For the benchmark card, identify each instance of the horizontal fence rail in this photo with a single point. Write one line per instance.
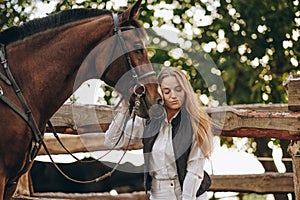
(82, 128)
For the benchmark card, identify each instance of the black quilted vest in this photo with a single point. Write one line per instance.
(182, 135)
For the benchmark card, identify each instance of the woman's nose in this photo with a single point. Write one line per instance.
(173, 94)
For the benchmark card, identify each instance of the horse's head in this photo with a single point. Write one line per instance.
(128, 68)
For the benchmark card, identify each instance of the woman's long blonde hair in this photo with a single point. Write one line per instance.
(200, 120)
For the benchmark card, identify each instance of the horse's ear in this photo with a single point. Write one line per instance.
(132, 12)
(135, 10)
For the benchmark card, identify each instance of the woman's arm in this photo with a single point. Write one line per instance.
(195, 173)
(114, 132)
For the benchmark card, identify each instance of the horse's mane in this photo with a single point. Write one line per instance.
(29, 28)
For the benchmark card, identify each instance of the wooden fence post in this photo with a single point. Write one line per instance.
(294, 150)
(292, 85)
(24, 187)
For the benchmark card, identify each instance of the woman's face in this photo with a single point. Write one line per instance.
(173, 93)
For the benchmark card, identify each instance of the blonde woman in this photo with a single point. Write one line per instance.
(175, 146)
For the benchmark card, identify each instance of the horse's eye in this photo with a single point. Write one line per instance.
(138, 48)
(140, 51)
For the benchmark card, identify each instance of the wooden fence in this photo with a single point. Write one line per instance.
(281, 121)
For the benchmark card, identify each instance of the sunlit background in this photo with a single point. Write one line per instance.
(253, 54)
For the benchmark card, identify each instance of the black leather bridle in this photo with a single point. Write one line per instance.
(135, 77)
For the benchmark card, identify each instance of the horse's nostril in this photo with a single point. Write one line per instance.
(159, 101)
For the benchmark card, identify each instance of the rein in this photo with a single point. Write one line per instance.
(38, 135)
(26, 113)
(104, 176)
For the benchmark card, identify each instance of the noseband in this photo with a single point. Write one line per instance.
(135, 77)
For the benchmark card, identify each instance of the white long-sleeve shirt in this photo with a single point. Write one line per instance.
(162, 160)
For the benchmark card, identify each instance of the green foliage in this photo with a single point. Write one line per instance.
(13, 12)
(254, 44)
(73, 99)
(255, 196)
(261, 28)
(108, 93)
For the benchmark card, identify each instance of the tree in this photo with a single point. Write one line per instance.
(13, 12)
(253, 44)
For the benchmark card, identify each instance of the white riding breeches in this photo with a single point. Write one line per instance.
(169, 190)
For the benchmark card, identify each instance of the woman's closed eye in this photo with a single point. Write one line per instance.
(178, 89)
(166, 91)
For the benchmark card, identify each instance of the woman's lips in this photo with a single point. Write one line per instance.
(174, 102)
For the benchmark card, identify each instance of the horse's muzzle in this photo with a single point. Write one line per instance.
(156, 111)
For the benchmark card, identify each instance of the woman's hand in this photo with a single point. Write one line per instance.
(134, 146)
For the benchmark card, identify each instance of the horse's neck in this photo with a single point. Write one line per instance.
(47, 64)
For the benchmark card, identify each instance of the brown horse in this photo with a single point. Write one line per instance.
(51, 57)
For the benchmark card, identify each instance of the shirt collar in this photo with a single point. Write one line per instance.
(166, 119)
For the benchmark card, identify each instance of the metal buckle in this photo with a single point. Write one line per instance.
(136, 87)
